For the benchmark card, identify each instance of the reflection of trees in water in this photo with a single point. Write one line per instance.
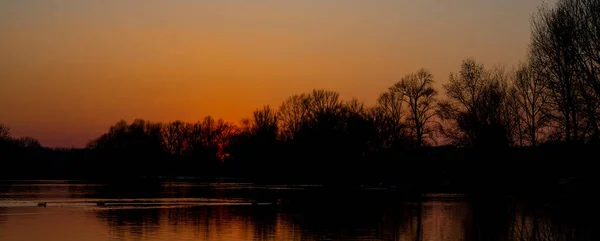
(128, 223)
(203, 223)
(357, 219)
(377, 220)
(254, 222)
(342, 222)
(433, 220)
(489, 219)
(554, 223)
(411, 222)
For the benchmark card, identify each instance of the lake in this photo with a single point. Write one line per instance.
(241, 211)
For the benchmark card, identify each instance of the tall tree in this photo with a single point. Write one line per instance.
(358, 128)
(530, 96)
(587, 13)
(324, 107)
(587, 16)
(176, 134)
(466, 89)
(210, 138)
(225, 131)
(265, 123)
(554, 50)
(389, 118)
(419, 94)
(477, 105)
(292, 114)
(140, 136)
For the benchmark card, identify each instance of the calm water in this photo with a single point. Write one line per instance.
(186, 211)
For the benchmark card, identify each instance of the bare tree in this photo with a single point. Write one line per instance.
(419, 94)
(324, 105)
(554, 51)
(225, 131)
(265, 122)
(208, 132)
(203, 137)
(518, 131)
(587, 13)
(448, 113)
(466, 89)
(530, 96)
(504, 111)
(388, 116)
(141, 136)
(468, 86)
(356, 116)
(211, 137)
(28, 142)
(477, 105)
(292, 113)
(355, 107)
(175, 136)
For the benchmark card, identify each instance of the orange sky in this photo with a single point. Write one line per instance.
(70, 68)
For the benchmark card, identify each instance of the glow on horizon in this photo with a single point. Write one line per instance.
(69, 68)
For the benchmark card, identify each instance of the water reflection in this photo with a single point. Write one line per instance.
(199, 223)
(307, 215)
(576, 221)
(429, 220)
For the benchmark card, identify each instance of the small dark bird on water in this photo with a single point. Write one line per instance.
(101, 204)
(42, 204)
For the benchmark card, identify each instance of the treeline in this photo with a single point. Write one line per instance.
(547, 107)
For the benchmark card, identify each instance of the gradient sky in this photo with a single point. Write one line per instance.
(71, 68)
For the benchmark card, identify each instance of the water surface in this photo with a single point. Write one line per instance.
(241, 211)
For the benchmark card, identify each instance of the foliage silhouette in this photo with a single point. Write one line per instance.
(419, 94)
(548, 108)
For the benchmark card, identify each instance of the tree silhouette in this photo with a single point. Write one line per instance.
(531, 102)
(137, 148)
(210, 138)
(176, 137)
(323, 119)
(225, 131)
(256, 147)
(419, 94)
(141, 137)
(28, 142)
(265, 123)
(587, 41)
(358, 128)
(554, 50)
(466, 89)
(323, 105)
(477, 105)
(553, 96)
(389, 119)
(359, 139)
(587, 14)
(293, 113)
(203, 139)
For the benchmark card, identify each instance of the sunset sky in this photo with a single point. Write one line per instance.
(71, 68)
